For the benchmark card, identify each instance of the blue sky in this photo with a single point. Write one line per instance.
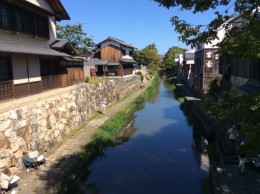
(137, 22)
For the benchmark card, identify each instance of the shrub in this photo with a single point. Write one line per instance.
(141, 75)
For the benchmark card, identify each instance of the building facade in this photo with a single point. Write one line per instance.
(28, 64)
(114, 58)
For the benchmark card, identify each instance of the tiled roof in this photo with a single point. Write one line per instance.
(117, 40)
(97, 61)
(59, 43)
(113, 63)
(71, 59)
(127, 60)
(8, 47)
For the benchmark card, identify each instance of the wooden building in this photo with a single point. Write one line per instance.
(28, 63)
(114, 58)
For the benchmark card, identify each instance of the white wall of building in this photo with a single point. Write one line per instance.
(42, 3)
(34, 68)
(19, 69)
(104, 44)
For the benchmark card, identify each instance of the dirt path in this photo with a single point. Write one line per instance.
(59, 160)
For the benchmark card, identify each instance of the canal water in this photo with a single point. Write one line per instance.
(162, 154)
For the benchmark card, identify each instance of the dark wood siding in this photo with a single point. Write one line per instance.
(111, 53)
(21, 90)
(6, 90)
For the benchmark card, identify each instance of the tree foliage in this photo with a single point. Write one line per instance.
(148, 56)
(236, 40)
(169, 59)
(242, 109)
(76, 36)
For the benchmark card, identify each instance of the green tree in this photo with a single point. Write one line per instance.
(169, 59)
(76, 36)
(148, 56)
(243, 109)
(246, 36)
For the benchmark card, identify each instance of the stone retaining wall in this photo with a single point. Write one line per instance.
(40, 125)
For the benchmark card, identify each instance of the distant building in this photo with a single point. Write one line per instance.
(114, 57)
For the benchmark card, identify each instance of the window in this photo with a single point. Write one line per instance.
(42, 26)
(20, 20)
(5, 69)
(49, 67)
(25, 22)
(6, 17)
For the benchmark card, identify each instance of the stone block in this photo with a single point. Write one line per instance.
(35, 135)
(2, 126)
(13, 137)
(21, 142)
(18, 153)
(28, 138)
(13, 160)
(33, 146)
(52, 119)
(42, 122)
(14, 147)
(13, 115)
(4, 141)
(4, 116)
(3, 163)
(15, 170)
(4, 153)
(41, 136)
(22, 132)
(7, 124)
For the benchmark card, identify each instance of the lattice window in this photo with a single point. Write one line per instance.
(5, 69)
(4, 16)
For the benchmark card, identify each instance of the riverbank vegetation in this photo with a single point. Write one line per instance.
(237, 108)
(103, 138)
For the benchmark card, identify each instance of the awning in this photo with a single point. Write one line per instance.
(8, 47)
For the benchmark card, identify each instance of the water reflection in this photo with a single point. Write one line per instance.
(154, 154)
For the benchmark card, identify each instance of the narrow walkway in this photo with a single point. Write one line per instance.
(226, 179)
(47, 178)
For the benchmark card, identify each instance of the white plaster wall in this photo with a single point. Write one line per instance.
(190, 62)
(52, 30)
(19, 69)
(181, 58)
(34, 68)
(221, 35)
(42, 3)
(109, 43)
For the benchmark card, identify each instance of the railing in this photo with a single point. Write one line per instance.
(6, 90)
(50, 82)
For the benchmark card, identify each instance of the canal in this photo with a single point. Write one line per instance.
(161, 154)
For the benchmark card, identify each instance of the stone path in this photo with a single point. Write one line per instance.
(47, 178)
